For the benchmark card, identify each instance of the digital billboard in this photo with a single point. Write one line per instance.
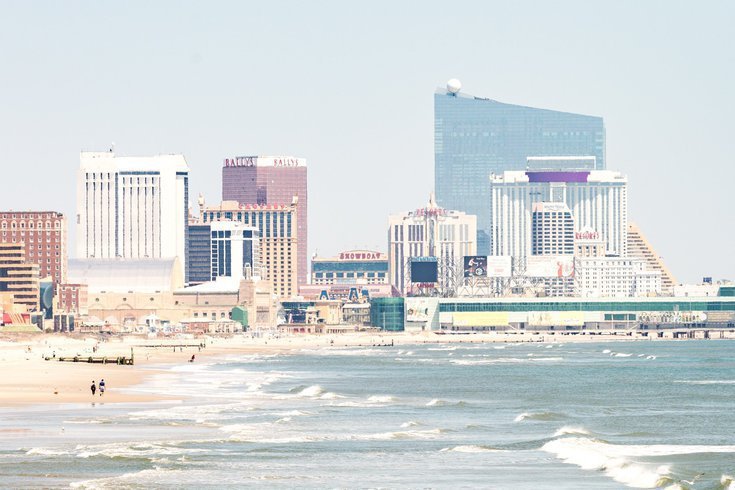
(550, 266)
(475, 266)
(424, 270)
(499, 266)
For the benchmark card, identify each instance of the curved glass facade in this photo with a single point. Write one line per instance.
(475, 137)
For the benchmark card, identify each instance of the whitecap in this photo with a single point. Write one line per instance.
(472, 449)
(621, 354)
(381, 399)
(606, 351)
(571, 430)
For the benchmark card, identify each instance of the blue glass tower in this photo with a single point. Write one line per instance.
(476, 137)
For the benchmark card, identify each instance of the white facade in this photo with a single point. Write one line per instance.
(132, 207)
(429, 232)
(615, 277)
(235, 250)
(597, 199)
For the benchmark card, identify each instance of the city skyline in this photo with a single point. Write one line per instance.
(77, 95)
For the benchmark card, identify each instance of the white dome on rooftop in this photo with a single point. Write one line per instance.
(454, 86)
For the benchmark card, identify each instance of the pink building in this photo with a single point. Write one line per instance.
(271, 180)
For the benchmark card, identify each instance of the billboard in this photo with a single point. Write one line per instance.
(424, 269)
(499, 266)
(418, 309)
(475, 266)
(550, 266)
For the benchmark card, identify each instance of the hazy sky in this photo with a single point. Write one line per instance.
(349, 86)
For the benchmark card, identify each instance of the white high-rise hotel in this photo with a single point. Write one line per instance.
(598, 200)
(132, 207)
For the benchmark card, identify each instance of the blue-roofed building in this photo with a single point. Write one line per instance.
(475, 137)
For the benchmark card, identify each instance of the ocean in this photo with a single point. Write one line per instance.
(461, 415)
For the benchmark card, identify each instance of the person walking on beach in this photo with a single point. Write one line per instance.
(93, 388)
(102, 387)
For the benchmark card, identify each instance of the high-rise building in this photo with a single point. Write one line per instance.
(19, 277)
(639, 247)
(279, 246)
(222, 249)
(598, 201)
(268, 181)
(44, 235)
(475, 137)
(132, 207)
(431, 232)
(552, 229)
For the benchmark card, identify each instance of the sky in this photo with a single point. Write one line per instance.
(349, 86)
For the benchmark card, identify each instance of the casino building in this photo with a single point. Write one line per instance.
(350, 267)
(452, 315)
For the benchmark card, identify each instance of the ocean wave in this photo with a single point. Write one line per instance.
(590, 454)
(621, 354)
(727, 482)
(544, 416)
(617, 461)
(606, 351)
(438, 402)
(442, 348)
(570, 430)
(472, 449)
(381, 399)
(409, 434)
(706, 381)
(410, 423)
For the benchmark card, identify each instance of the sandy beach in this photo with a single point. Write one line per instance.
(31, 378)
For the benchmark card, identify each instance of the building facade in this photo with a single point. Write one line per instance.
(271, 181)
(598, 201)
(71, 299)
(350, 267)
(552, 229)
(235, 250)
(132, 207)
(431, 232)
(614, 277)
(19, 277)
(44, 234)
(639, 246)
(475, 137)
(279, 245)
(571, 314)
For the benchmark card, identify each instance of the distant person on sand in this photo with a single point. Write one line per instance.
(192, 358)
(93, 388)
(102, 387)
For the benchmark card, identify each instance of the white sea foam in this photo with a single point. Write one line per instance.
(45, 451)
(410, 423)
(472, 449)
(622, 354)
(589, 454)
(441, 348)
(571, 430)
(311, 391)
(381, 399)
(727, 482)
(606, 351)
(617, 461)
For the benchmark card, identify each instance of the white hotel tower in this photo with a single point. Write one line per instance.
(132, 207)
(598, 200)
(429, 232)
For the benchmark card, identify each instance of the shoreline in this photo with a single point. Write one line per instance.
(32, 380)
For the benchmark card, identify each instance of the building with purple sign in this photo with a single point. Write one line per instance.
(271, 181)
(475, 137)
(597, 199)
